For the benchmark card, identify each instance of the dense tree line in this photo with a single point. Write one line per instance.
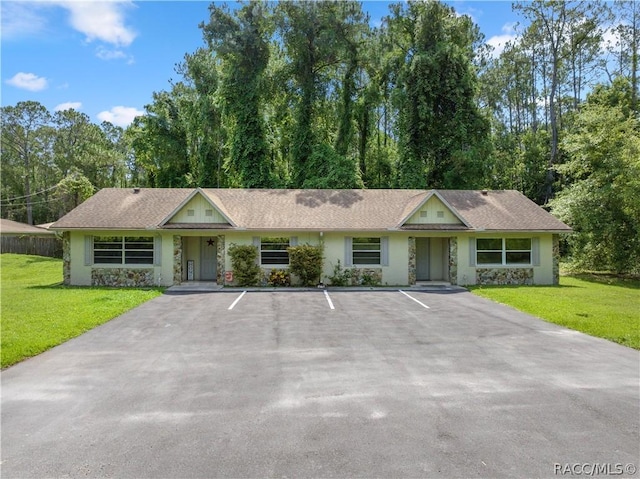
(311, 95)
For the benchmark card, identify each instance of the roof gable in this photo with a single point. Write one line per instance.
(434, 210)
(197, 208)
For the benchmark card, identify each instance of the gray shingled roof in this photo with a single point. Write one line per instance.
(271, 209)
(11, 227)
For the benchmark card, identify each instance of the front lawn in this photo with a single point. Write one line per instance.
(39, 313)
(602, 306)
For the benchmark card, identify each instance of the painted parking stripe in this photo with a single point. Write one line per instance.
(236, 301)
(326, 295)
(411, 297)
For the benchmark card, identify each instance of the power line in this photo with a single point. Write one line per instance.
(27, 196)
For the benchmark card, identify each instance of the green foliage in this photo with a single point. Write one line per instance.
(244, 260)
(241, 41)
(305, 261)
(340, 276)
(353, 276)
(601, 204)
(279, 277)
(444, 137)
(72, 190)
(39, 313)
(332, 170)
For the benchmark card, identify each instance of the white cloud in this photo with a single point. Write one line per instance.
(120, 115)
(102, 21)
(28, 81)
(70, 105)
(109, 54)
(498, 42)
(21, 19)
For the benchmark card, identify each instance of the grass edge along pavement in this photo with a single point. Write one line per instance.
(603, 306)
(38, 312)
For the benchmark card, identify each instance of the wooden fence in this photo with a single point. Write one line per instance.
(40, 246)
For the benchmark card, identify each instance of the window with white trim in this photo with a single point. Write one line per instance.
(366, 251)
(123, 249)
(503, 251)
(273, 251)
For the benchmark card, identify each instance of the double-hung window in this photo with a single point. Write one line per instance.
(123, 249)
(503, 251)
(273, 251)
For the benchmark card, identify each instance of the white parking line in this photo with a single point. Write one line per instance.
(326, 295)
(236, 301)
(411, 297)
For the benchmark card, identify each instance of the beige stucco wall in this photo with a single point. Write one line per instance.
(397, 273)
(81, 274)
(542, 274)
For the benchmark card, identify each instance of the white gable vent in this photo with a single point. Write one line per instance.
(423, 214)
(208, 212)
(191, 212)
(440, 214)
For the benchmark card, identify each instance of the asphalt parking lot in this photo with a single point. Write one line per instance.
(314, 384)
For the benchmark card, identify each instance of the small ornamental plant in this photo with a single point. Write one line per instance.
(279, 277)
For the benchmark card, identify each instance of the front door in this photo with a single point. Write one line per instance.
(422, 259)
(208, 259)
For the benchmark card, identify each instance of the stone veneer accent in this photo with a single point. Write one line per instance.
(453, 260)
(177, 259)
(412, 260)
(220, 253)
(358, 273)
(66, 258)
(118, 277)
(556, 259)
(504, 275)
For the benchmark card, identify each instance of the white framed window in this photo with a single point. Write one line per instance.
(273, 250)
(503, 251)
(123, 250)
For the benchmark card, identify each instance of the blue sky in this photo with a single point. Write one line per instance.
(107, 58)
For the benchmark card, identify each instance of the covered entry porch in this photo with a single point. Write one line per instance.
(432, 259)
(198, 258)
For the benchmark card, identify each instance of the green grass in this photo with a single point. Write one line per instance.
(39, 313)
(598, 305)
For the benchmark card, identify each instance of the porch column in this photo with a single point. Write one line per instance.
(412, 260)
(66, 258)
(453, 260)
(220, 252)
(556, 259)
(177, 259)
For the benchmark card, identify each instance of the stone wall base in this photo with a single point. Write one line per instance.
(118, 277)
(504, 276)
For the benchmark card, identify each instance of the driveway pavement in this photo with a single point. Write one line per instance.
(281, 385)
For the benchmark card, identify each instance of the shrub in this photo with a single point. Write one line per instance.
(305, 261)
(279, 277)
(244, 261)
(340, 277)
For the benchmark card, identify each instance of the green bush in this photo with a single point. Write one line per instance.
(244, 260)
(305, 261)
(279, 277)
(340, 277)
